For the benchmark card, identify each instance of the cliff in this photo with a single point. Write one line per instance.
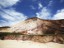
(36, 26)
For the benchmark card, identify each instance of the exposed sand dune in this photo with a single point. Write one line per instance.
(35, 26)
(28, 44)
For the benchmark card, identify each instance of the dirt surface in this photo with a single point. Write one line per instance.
(28, 44)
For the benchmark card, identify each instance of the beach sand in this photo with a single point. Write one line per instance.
(28, 44)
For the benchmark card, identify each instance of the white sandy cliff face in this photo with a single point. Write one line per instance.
(33, 26)
(24, 26)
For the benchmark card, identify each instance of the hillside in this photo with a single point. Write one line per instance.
(38, 26)
(35, 29)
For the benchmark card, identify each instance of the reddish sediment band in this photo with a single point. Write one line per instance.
(35, 38)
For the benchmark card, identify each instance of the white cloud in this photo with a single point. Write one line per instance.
(2, 23)
(7, 3)
(33, 7)
(40, 6)
(59, 15)
(44, 13)
(12, 16)
(50, 3)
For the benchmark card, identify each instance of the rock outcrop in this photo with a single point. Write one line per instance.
(37, 30)
(36, 26)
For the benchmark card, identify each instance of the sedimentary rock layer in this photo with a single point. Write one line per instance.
(35, 38)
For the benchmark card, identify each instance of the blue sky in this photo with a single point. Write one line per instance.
(13, 11)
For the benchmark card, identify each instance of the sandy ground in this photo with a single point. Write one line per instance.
(28, 44)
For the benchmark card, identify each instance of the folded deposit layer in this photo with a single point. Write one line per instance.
(35, 26)
(35, 38)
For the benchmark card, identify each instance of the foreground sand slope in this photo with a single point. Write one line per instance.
(28, 44)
